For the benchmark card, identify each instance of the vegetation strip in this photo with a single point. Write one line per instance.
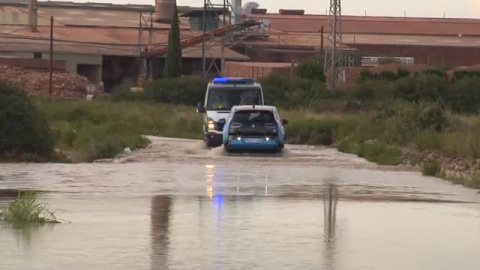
(26, 210)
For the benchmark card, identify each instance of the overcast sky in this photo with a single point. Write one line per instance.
(424, 8)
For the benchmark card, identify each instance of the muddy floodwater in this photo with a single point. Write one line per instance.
(178, 205)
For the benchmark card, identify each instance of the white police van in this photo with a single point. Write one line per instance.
(222, 94)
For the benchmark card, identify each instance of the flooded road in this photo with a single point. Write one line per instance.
(177, 205)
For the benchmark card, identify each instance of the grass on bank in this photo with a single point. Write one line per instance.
(99, 129)
(102, 129)
(26, 210)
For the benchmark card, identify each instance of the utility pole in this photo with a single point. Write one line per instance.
(333, 54)
(50, 81)
(321, 40)
(204, 60)
(222, 63)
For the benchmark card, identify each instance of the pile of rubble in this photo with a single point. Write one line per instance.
(36, 82)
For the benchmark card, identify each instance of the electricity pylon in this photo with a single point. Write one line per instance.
(333, 54)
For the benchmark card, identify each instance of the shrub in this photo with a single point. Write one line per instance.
(432, 116)
(311, 69)
(365, 75)
(312, 131)
(379, 153)
(431, 168)
(123, 93)
(364, 91)
(107, 140)
(347, 146)
(23, 129)
(400, 122)
(388, 76)
(465, 74)
(371, 90)
(429, 140)
(401, 73)
(293, 93)
(422, 88)
(464, 96)
(435, 72)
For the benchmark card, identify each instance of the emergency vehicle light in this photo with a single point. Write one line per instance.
(225, 80)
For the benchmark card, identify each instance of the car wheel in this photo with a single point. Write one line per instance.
(227, 149)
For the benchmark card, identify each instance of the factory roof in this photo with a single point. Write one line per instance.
(375, 25)
(83, 31)
(305, 31)
(313, 40)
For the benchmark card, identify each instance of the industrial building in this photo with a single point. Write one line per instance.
(107, 42)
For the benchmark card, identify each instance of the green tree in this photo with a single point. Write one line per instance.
(173, 63)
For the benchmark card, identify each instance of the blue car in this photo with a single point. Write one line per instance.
(254, 128)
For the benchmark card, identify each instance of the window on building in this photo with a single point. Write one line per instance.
(37, 55)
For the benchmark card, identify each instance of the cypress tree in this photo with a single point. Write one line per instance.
(173, 63)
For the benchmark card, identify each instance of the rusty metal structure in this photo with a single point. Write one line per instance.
(212, 12)
(333, 55)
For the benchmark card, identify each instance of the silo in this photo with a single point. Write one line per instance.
(164, 10)
(237, 10)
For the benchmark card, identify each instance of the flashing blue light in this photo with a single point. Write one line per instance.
(225, 80)
(220, 80)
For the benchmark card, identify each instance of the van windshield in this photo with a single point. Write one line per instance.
(223, 99)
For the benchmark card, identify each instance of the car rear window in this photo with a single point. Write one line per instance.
(246, 117)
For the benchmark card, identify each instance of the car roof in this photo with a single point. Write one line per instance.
(234, 86)
(254, 108)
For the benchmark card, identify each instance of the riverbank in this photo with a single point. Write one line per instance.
(418, 135)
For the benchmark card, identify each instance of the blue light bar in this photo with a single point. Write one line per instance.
(225, 80)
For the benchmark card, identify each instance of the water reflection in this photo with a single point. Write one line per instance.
(330, 202)
(160, 226)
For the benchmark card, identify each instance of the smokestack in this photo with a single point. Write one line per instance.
(237, 10)
(164, 10)
(32, 15)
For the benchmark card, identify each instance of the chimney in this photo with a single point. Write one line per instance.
(237, 10)
(164, 10)
(32, 15)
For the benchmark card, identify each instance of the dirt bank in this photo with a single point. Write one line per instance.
(35, 82)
